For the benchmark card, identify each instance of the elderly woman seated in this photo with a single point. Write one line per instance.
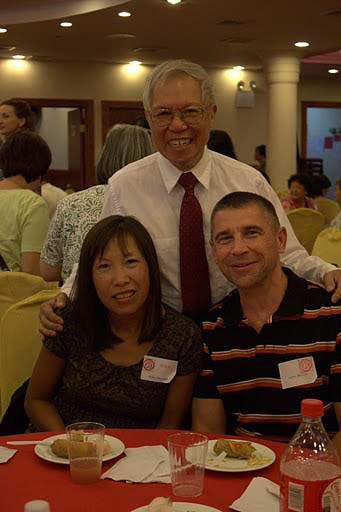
(298, 185)
(123, 358)
(24, 159)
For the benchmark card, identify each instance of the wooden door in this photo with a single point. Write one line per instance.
(114, 112)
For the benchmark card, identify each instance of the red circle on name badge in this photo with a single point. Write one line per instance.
(305, 365)
(148, 365)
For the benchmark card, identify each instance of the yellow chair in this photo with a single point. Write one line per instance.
(282, 194)
(16, 286)
(327, 207)
(20, 343)
(328, 246)
(306, 223)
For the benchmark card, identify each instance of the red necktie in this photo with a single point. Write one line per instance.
(194, 273)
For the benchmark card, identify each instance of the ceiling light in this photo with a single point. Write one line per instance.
(239, 68)
(174, 2)
(18, 57)
(302, 44)
(333, 71)
(124, 14)
(65, 24)
(135, 62)
(3, 30)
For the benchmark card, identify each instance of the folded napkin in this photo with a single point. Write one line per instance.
(6, 454)
(143, 464)
(258, 497)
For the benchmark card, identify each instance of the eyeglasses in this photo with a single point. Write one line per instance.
(189, 115)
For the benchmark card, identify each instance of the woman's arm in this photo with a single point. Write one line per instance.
(46, 375)
(30, 263)
(208, 415)
(179, 397)
(49, 272)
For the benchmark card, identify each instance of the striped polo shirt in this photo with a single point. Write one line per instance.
(241, 366)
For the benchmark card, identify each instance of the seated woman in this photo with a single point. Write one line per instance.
(24, 159)
(298, 185)
(123, 359)
(78, 212)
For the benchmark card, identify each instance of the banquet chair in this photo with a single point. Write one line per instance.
(327, 207)
(20, 343)
(306, 223)
(328, 246)
(16, 286)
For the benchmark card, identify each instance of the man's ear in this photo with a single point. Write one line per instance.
(282, 239)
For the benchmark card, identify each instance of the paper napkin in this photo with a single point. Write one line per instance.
(6, 454)
(257, 498)
(143, 464)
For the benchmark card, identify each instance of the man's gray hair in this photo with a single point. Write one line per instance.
(171, 68)
(125, 143)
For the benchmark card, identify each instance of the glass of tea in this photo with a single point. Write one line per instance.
(85, 447)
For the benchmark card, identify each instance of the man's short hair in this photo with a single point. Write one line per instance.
(237, 200)
(172, 68)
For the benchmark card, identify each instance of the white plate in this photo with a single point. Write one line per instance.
(181, 506)
(240, 465)
(45, 452)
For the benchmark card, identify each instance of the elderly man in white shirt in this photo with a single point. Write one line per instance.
(180, 106)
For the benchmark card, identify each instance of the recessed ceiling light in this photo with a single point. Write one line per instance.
(239, 68)
(333, 71)
(3, 30)
(302, 44)
(124, 14)
(135, 62)
(18, 57)
(66, 24)
(174, 2)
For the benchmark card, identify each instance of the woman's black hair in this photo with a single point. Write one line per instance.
(303, 179)
(221, 142)
(89, 311)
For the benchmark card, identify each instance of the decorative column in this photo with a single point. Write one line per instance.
(282, 74)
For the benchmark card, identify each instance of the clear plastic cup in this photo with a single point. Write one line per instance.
(85, 446)
(187, 458)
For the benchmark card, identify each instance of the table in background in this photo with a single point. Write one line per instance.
(27, 477)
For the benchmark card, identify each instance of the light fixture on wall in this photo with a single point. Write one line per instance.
(245, 98)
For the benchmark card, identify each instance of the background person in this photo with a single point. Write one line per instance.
(180, 107)
(298, 185)
(78, 212)
(15, 115)
(115, 325)
(24, 158)
(272, 317)
(221, 142)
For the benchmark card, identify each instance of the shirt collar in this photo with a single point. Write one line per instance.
(170, 174)
(292, 303)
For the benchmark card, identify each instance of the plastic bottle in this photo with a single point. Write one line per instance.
(37, 506)
(310, 467)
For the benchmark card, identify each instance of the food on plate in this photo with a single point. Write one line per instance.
(161, 504)
(234, 449)
(82, 448)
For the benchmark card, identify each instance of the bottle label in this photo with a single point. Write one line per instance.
(310, 496)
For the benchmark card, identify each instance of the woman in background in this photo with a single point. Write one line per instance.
(15, 115)
(221, 142)
(298, 185)
(100, 368)
(24, 158)
(78, 212)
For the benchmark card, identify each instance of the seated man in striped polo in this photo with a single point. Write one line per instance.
(271, 342)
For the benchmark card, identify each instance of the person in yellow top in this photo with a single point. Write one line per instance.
(24, 158)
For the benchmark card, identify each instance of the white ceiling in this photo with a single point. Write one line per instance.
(219, 33)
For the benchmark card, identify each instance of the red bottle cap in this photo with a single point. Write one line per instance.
(311, 407)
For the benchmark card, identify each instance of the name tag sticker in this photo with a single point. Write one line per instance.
(297, 372)
(157, 369)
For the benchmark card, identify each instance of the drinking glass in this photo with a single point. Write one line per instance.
(85, 446)
(187, 458)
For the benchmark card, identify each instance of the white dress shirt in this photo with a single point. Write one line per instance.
(149, 190)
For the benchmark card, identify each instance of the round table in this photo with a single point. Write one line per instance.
(27, 477)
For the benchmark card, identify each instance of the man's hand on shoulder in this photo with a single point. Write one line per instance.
(332, 282)
(50, 323)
